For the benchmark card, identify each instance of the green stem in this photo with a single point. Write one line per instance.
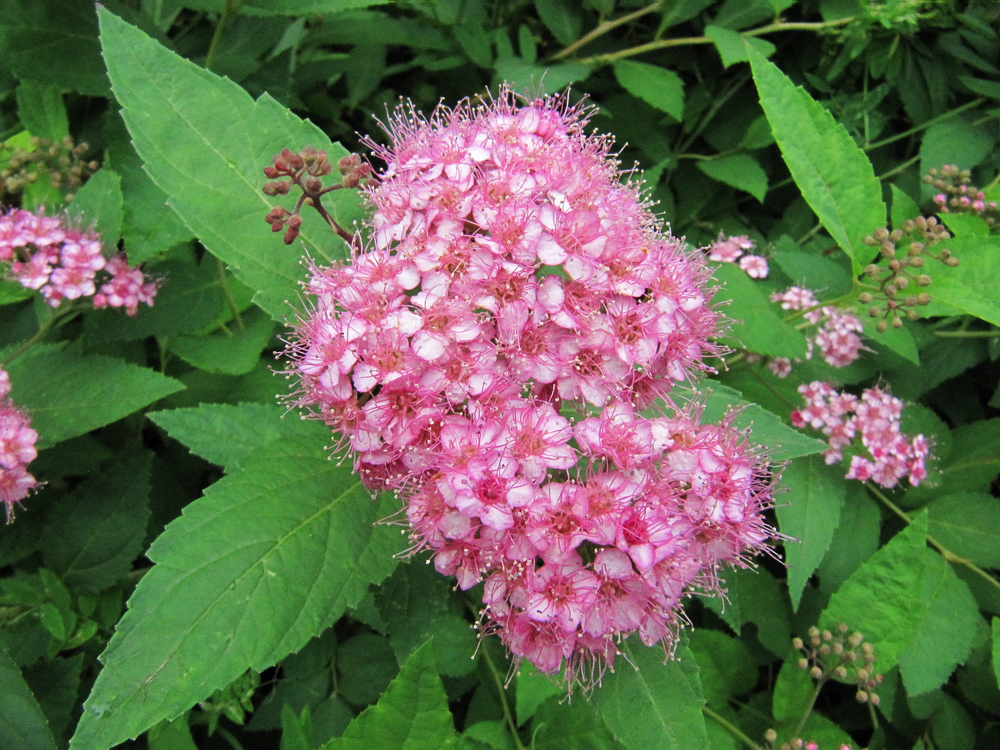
(946, 553)
(231, 8)
(43, 329)
(604, 28)
(502, 692)
(693, 40)
(220, 270)
(924, 125)
(809, 708)
(995, 333)
(731, 728)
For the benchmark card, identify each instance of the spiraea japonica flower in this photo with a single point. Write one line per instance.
(492, 352)
(66, 263)
(17, 450)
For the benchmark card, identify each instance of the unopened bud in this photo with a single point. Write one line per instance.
(815, 673)
(881, 326)
(923, 280)
(865, 298)
(897, 322)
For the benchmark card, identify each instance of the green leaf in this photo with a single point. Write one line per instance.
(756, 322)
(99, 205)
(968, 525)
(957, 140)
(267, 559)
(726, 667)
(779, 441)
(205, 143)
(655, 704)
(903, 208)
(41, 110)
(793, 691)
(92, 538)
(412, 714)
(966, 225)
(810, 514)
(884, 597)
(532, 689)
(740, 171)
(366, 665)
(658, 87)
(68, 395)
(563, 725)
(226, 434)
(834, 175)
(946, 631)
(234, 351)
(971, 286)
(562, 18)
(995, 626)
(732, 45)
(756, 597)
(22, 723)
(54, 42)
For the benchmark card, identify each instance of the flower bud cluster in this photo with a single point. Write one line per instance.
(837, 332)
(846, 658)
(61, 160)
(904, 251)
(885, 455)
(958, 195)
(17, 450)
(63, 262)
(732, 250)
(305, 171)
(488, 358)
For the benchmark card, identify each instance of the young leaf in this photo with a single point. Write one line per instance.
(834, 175)
(22, 723)
(656, 704)
(92, 537)
(412, 713)
(732, 45)
(68, 395)
(884, 597)
(946, 630)
(658, 87)
(268, 558)
(205, 143)
(810, 514)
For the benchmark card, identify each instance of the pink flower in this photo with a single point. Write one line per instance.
(755, 266)
(513, 283)
(837, 331)
(17, 450)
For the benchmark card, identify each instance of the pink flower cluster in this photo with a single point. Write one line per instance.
(888, 457)
(62, 263)
(836, 334)
(732, 250)
(17, 450)
(488, 358)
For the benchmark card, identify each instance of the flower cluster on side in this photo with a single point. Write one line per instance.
(887, 456)
(958, 194)
(488, 358)
(17, 450)
(62, 262)
(836, 335)
(734, 250)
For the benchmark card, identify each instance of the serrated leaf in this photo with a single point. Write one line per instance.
(971, 286)
(658, 87)
(884, 597)
(532, 688)
(810, 514)
(234, 351)
(740, 171)
(22, 723)
(99, 205)
(833, 174)
(655, 704)
(565, 725)
(412, 713)
(54, 42)
(68, 395)
(968, 525)
(757, 324)
(780, 442)
(946, 631)
(205, 143)
(92, 537)
(225, 434)
(726, 667)
(267, 559)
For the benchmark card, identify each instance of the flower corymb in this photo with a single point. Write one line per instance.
(502, 351)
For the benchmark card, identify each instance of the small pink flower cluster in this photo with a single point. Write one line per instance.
(874, 416)
(515, 280)
(732, 250)
(62, 263)
(837, 331)
(17, 450)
